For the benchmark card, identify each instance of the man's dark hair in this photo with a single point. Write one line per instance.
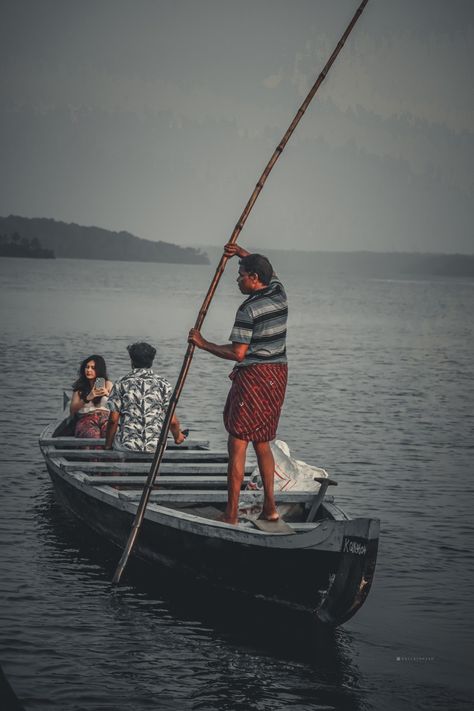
(259, 265)
(141, 355)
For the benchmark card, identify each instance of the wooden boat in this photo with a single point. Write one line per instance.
(317, 559)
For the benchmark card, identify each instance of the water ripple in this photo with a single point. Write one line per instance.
(380, 394)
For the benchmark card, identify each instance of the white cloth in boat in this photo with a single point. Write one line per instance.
(290, 475)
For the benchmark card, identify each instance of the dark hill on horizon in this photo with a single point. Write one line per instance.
(77, 242)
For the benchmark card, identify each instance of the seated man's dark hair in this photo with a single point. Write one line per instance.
(259, 265)
(141, 355)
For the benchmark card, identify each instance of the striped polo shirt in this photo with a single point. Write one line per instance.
(261, 322)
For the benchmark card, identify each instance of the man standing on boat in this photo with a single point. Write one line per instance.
(254, 402)
(138, 403)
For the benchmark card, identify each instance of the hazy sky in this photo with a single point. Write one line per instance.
(157, 117)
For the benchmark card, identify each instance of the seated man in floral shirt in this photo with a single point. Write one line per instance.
(138, 403)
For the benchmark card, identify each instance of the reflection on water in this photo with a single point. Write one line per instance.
(247, 650)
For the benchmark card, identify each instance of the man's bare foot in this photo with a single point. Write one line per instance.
(270, 516)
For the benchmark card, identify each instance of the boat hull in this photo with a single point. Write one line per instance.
(329, 574)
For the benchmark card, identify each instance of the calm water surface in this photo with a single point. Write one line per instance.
(381, 394)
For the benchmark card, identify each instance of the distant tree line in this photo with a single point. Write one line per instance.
(71, 241)
(16, 246)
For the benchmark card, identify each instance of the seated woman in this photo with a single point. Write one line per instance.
(89, 399)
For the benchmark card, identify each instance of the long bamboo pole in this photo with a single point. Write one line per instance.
(206, 303)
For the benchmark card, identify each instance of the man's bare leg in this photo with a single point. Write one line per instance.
(266, 465)
(235, 475)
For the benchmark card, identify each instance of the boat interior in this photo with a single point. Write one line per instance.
(192, 479)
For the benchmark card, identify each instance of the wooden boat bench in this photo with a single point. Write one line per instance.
(113, 455)
(82, 442)
(162, 481)
(194, 496)
(191, 496)
(128, 468)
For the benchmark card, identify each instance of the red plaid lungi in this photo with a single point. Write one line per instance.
(254, 402)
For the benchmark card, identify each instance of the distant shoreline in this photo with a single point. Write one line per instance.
(370, 264)
(287, 264)
(27, 255)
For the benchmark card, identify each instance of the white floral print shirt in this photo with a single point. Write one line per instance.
(142, 398)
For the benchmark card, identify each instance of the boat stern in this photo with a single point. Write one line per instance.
(350, 584)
